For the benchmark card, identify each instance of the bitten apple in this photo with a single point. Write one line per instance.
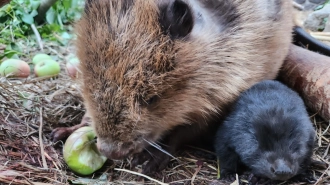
(47, 68)
(40, 57)
(81, 153)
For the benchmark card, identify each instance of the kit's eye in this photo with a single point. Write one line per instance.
(295, 147)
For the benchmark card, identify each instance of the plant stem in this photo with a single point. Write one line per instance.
(35, 31)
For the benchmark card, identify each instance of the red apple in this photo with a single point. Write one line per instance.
(72, 67)
(15, 68)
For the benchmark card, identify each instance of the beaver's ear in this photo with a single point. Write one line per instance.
(176, 18)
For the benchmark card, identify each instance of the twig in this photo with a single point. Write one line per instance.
(135, 173)
(319, 33)
(320, 138)
(49, 158)
(195, 174)
(326, 130)
(318, 180)
(236, 182)
(35, 31)
(218, 168)
(319, 37)
(12, 34)
(326, 151)
(201, 149)
(41, 142)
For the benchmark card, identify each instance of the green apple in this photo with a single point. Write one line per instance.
(15, 68)
(47, 67)
(40, 57)
(72, 67)
(81, 154)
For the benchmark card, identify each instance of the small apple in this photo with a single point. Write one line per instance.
(40, 57)
(81, 154)
(15, 68)
(72, 67)
(47, 68)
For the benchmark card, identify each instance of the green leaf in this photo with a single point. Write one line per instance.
(65, 37)
(67, 4)
(17, 16)
(50, 16)
(27, 18)
(35, 4)
(5, 10)
(19, 11)
(74, 3)
(59, 19)
(10, 53)
(34, 13)
(20, 1)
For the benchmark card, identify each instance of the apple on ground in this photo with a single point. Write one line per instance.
(47, 68)
(15, 68)
(72, 67)
(80, 152)
(40, 57)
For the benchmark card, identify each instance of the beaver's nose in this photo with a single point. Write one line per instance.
(281, 170)
(111, 151)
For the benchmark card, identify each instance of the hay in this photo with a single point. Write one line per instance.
(33, 107)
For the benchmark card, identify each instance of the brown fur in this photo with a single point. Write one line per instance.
(126, 59)
(3, 2)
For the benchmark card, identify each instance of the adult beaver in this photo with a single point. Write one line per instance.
(162, 70)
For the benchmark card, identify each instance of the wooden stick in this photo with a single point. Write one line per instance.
(42, 151)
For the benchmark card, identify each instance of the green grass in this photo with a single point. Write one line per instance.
(17, 20)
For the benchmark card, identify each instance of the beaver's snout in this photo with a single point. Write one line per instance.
(282, 170)
(115, 151)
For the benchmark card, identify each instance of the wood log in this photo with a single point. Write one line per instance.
(308, 73)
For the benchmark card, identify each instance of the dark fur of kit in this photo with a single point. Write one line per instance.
(268, 131)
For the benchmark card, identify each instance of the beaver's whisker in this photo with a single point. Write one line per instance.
(151, 154)
(161, 144)
(159, 148)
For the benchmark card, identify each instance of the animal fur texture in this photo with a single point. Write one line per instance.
(268, 131)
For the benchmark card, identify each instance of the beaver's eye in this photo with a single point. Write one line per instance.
(147, 102)
(295, 147)
(152, 100)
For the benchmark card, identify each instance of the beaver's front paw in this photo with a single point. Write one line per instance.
(304, 177)
(253, 179)
(230, 177)
(60, 133)
(157, 160)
